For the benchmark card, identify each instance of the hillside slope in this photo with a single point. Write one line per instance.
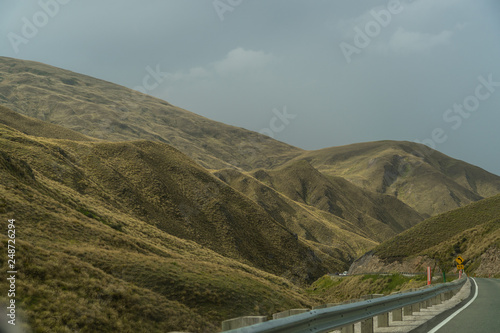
(380, 216)
(472, 232)
(425, 179)
(111, 112)
(124, 201)
(159, 185)
(102, 243)
(301, 198)
(324, 231)
(35, 127)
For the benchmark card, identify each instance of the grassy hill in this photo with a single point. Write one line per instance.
(472, 232)
(136, 215)
(161, 186)
(336, 289)
(111, 112)
(324, 231)
(100, 248)
(323, 209)
(35, 127)
(380, 216)
(425, 179)
(106, 230)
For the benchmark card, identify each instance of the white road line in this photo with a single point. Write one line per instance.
(444, 322)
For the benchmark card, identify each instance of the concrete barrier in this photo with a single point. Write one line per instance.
(367, 326)
(348, 329)
(383, 320)
(242, 322)
(397, 315)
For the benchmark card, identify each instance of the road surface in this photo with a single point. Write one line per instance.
(482, 315)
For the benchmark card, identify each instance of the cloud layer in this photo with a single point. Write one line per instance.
(403, 75)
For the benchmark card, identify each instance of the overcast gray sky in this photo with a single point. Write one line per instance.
(343, 71)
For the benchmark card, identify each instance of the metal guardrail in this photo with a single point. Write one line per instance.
(325, 320)
(391, 273)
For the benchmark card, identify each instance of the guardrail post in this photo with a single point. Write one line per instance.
(415, 307)
(424, 305)
(436, 300)
(408, 311)
(383, 320)
(397, 315)
(367, 326)
(348, 329)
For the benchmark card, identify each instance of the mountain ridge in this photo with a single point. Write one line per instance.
(96, 261)
(228, 222)
(407, 171)
(107, 111)
(472, 231)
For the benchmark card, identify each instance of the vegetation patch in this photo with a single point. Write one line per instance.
(335, 289)
(71, 81)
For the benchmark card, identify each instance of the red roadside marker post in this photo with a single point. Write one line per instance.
(428, 275)
(460, 266)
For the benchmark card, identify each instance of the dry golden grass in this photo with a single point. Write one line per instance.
(335, 289)
(470, 231)
(120, 231)
(108, 111)
(426, 180)
(378, 216)
(96, 224)
(39, 128)
(325, 232)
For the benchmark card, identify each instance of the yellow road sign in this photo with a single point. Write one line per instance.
(459, 260)
(460, 266)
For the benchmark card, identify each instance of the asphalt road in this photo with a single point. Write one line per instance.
(482, 315)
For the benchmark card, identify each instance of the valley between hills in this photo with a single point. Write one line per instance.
(136, 215)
